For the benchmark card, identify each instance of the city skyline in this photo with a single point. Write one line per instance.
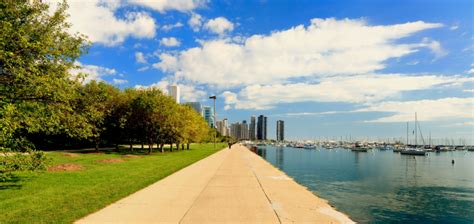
(327, 68)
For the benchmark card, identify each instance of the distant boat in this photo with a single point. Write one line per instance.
(309, 146)
(359, 148)
(414, 151)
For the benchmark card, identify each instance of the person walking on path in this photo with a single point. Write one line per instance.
(230, 145)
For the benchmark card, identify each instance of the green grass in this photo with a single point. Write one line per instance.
(63, 197)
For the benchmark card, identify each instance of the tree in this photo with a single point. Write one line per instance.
(36, 55)
(96, 102)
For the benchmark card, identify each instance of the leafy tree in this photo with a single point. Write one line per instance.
(36, 54)
(96, 102)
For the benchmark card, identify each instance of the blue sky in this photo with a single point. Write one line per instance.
(328, 68)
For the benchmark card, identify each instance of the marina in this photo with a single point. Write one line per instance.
(382, 185)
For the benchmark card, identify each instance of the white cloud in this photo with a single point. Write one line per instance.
(97, 20)
(454, 27)
(119, 81)
(468, 90)
(428, 110)
(219, 25)
(168, 63)
(195, 22)
(346, 89)
(324, 48)
(142, 69)
(469, 123)
(170, 42)
(435, 47)
(167, 5)
(92, 72)
(140, 58)
(168, 27)
(298, 114)
(470, 71)
(188, 93)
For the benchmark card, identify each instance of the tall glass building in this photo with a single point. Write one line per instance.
(252, 125)
(262, 128)
(280, 130)
(209, 115)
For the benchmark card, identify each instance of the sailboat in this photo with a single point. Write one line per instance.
(414, 151)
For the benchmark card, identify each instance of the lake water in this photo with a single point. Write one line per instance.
(382, 186)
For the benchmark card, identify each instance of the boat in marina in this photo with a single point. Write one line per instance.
(359, 148)
(415, 150)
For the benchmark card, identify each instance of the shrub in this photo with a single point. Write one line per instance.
(13, 161)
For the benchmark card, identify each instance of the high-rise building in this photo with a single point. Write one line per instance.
(208, 115)
(252, 128)
(280, 130)
(197, 106)
(225, 127)
(235, 130)
(173, 91)
(244, 130)
(222, 127)
(262, 128)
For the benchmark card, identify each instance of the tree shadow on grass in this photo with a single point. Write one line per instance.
(11, 181)
(121, 151)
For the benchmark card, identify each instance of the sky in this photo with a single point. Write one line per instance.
(329, 69)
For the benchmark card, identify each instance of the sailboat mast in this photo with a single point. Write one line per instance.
(430, 139)
(416, 131)
(407, 133)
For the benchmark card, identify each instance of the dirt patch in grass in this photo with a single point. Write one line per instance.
(132, 156)
(70, 155)
(65, 167)
(111, 161)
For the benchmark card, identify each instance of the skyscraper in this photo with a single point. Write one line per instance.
(262, 128)
(280, 130)
(208, 115)
(244, 130)
(222, 127)
(196, 106)
(235, 130)
(252, 128)
(173, 91)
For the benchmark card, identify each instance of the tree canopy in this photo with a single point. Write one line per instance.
(43, 104)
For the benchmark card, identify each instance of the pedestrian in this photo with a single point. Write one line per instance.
(230, 145)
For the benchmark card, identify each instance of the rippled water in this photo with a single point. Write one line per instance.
(382, 186)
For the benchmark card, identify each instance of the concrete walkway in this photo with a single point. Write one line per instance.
(230, 186)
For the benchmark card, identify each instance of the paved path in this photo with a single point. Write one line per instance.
(230, 186)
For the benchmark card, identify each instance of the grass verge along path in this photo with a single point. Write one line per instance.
(98, 180)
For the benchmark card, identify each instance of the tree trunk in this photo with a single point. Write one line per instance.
(182, 146)
(150, 148)
(171, 147)
(187, 146)
(97, 141)
(142, 145)
(131, 145)
(161, 148)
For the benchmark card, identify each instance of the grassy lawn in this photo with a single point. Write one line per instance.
(65, 196)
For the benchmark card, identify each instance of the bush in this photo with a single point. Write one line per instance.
(13, 161)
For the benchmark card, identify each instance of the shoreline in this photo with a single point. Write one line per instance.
(232, 185)
(324, 205)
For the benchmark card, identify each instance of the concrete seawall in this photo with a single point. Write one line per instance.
(230, 186)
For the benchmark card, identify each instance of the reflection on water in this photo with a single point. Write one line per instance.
(382, 186)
